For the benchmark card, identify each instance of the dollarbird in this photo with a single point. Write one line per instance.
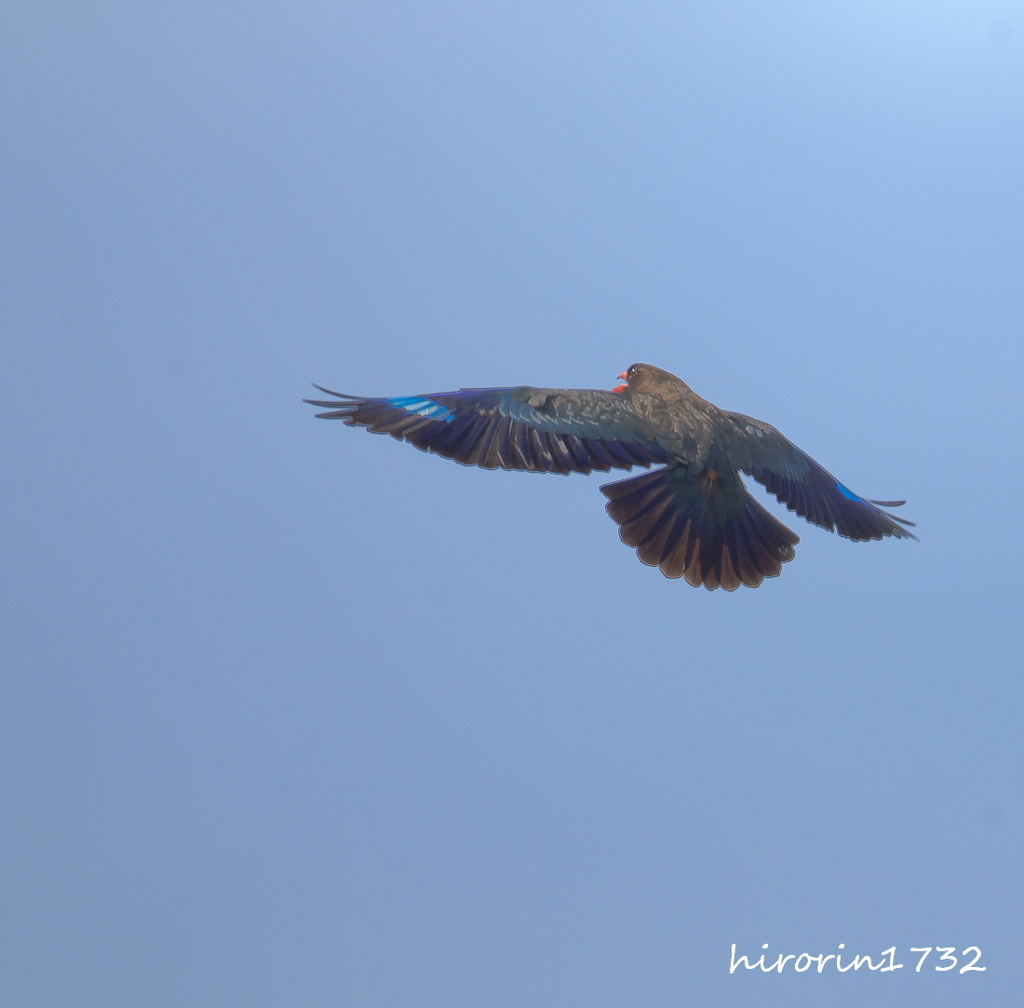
(693, 518)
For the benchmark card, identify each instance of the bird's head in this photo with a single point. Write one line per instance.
(648, 378)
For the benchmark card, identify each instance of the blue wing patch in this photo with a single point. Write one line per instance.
(422, 407)
(848, 494)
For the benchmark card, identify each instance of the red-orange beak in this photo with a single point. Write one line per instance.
(623, 376)
(621, 388)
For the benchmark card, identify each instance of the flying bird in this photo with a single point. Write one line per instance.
(693, 518)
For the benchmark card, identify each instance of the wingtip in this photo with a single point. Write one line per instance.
(904, 521)
(337, 395)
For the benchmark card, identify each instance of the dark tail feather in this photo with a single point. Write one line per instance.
(705, 528)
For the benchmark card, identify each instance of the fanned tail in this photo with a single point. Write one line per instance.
(705, 528)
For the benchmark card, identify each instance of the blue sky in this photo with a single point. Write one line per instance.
(296, 715)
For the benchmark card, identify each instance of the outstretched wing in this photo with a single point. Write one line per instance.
(532, 429)
(804, 487)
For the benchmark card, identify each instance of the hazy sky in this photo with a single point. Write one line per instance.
(296, 716)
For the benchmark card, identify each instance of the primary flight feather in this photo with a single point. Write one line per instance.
(693, 518)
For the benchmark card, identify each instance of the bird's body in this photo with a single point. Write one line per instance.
(693, 518)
